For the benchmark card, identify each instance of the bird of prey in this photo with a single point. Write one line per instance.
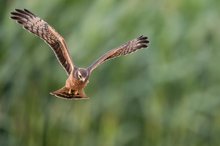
(77, 77)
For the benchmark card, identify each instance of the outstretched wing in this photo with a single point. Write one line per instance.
(43, 30)
(127, 48)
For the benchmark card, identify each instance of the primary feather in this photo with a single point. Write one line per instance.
(43, 30)
(127, 48)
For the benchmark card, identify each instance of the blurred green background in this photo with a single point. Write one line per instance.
(166, 95)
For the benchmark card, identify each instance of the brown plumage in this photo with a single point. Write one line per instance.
(40, 28)
(77, 77)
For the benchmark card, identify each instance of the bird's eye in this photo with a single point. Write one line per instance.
(80, 76)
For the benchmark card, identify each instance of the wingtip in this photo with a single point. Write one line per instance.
(14, 12)
(26, 10)
(23, 11)
(142, 37)
(142, 41)
(18, 10)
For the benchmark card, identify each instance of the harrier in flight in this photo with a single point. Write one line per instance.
(77, 77)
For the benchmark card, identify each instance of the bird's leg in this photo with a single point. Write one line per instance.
(76, 92)
(70, 91)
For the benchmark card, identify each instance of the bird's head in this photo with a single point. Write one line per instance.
(82, 74)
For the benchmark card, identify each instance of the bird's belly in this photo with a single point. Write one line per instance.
(76, 85)
(81, 85)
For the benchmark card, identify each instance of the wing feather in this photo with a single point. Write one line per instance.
(127, 48)
(43, 30)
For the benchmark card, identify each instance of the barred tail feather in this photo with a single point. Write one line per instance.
(66, 93)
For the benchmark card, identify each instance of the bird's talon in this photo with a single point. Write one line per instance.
(70, 91)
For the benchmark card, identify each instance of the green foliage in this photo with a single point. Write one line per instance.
(168, 94)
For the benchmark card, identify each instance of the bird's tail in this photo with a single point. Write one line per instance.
(69, 94)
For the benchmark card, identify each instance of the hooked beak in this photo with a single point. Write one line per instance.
(83, 79)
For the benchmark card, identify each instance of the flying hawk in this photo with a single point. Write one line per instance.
(77, 77)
